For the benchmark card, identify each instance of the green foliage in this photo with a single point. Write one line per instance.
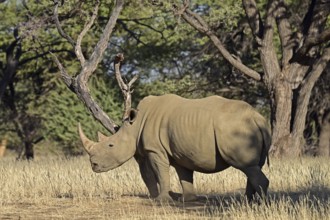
(181, 87)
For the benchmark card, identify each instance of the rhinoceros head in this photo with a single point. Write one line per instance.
(110, 152)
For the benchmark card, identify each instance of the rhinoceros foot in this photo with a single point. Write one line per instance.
(163, 198)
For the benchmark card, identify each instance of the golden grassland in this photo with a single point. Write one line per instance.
(57, 188)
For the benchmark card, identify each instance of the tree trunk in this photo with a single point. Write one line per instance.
(3, 146)
(324, 138)
(282, 114)
(29, 152)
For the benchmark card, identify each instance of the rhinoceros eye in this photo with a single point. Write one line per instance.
(111, 145)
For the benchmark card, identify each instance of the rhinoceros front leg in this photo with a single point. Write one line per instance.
(149, 177)
(161, 167)
(187, 182)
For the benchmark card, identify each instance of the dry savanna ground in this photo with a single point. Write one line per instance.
(55, 188)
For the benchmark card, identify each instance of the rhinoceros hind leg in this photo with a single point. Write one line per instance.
(186, 180)
(257, 182)
(250, 191)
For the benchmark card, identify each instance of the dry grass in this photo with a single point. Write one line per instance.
(54, 188)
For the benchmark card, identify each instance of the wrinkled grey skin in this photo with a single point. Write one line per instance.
(205, 135)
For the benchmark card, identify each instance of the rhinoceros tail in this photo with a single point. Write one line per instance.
(266, 137)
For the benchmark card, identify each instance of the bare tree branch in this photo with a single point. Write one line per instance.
(313, 28)
(132, 33)
(137, 21)
(306, 89)
(199, 24)
(100, 47)
(313, 41)
(269, 23)
(285, 32)
(118, 59)
(254, 19)
(125, 88)
(67, 79)
(318, 67)
(267, 50)
(58, 25)
(24, 61)
(133, 81)
(319, 39)
(88, 26)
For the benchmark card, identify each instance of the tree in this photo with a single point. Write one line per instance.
(27, 78)
(289, 79)
(17, 88)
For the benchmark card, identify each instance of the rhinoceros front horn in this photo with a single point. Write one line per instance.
(85, 141)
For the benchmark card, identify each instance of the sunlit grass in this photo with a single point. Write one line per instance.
(68, 189)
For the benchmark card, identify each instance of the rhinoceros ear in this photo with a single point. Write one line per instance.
(101, 137)
(132, 115)
(85, 141)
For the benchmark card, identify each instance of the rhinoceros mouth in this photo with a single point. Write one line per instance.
(99, 169)
(96, 168)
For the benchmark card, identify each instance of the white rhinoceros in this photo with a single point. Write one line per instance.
(206, 135)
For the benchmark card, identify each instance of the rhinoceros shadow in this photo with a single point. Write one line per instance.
(315, 195)
(202, 200)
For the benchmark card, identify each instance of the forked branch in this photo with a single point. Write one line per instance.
(87, 26)
(285, 32)
(313, 28)
(79, 83)
(124, 87)
(254, 19)
(58, 25)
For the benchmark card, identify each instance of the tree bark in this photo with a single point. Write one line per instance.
(282, 111)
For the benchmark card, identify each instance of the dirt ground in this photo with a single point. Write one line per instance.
(68, 189)
(126, 207)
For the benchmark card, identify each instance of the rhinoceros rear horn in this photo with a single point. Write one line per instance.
(85, 141)
(101, 137)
